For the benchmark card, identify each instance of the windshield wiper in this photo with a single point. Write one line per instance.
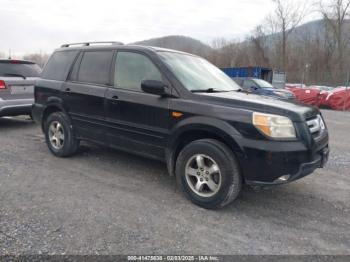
(6, 74)
(210, 90)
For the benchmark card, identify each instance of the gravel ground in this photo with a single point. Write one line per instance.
(106, 202)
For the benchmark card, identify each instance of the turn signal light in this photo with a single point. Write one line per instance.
(175, 114)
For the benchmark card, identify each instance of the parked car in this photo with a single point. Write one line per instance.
(262, 87)
(17, 78)
(180, 109)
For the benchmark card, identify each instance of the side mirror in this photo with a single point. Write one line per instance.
(153, 87)
(254, 88)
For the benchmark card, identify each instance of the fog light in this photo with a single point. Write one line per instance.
(283, 178)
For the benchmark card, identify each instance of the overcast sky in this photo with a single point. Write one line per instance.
(42, 25)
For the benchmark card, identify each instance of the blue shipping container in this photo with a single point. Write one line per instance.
(256, 72)
(276, 78)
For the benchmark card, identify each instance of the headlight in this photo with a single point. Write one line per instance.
(274, 126)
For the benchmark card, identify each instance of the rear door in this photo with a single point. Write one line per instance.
(17, 79)
(137, 121)
(84, 92)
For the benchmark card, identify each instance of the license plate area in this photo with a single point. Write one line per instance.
(24, 89)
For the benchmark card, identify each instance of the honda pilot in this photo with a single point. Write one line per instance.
(180, 109)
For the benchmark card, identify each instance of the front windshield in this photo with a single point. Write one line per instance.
(263, 84)
(197, 74)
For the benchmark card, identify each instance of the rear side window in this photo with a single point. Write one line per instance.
(11, 68)
(95, 67)
(58, 66)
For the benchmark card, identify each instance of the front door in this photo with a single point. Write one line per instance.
(137, 121)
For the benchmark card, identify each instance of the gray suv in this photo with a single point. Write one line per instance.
(17, 79)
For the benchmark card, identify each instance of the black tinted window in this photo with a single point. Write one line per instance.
(9, 69)
(132, 68)
(74, 73)
(95, 67)
(58, 65)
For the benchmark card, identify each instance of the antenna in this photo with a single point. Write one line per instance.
(10, 53)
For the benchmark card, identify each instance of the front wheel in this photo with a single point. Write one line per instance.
(208, 173)
(59, 135)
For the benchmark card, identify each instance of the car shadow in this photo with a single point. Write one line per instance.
(15, 122)
(282, 205)
(251, 202)
(112, 159)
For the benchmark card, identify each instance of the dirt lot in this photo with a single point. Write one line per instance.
(106, 202)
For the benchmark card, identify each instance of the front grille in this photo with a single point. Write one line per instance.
(316, 126)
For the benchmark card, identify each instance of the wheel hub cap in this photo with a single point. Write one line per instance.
(56, 135)
(203, 175)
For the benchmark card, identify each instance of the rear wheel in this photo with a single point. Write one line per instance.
(208, 173)
(59, 134)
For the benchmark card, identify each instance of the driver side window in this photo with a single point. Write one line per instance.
(132, 68)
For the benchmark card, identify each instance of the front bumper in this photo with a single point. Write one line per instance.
(268, 163)
(319, 161)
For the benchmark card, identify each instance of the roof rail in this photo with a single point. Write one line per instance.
(93, 43)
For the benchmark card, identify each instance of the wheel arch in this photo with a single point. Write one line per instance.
(201, 128)
(53, 105)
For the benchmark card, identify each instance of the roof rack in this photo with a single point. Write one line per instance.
(93, 43)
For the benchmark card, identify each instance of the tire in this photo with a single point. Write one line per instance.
(227, 177)
(65, 145)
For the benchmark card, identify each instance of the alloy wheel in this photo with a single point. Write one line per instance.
(203, 175)
(56, 135)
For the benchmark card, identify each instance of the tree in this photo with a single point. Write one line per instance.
(38, 58)
(260, 46)
(335, 14)
(287, 16)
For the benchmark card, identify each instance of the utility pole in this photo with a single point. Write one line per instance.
(346, 91)
(304, 73)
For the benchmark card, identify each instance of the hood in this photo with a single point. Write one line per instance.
(265, 104)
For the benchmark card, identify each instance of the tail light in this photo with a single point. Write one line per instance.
(2, 84)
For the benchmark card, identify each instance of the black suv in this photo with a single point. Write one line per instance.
(180, 109)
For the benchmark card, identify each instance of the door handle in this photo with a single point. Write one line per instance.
(114, 99)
